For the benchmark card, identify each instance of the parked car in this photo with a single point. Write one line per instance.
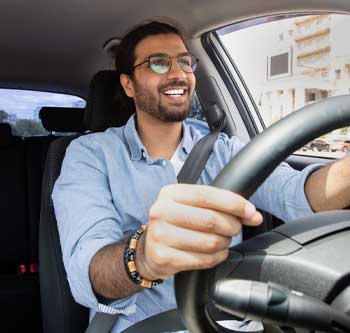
(345, 146)
(60, 46)
(317, 145)
(340, 145)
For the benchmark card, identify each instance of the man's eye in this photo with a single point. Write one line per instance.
(159, 62)
(185, 61)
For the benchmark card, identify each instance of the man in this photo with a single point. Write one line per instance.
(111, 183)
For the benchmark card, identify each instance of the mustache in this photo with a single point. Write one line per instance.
(174, 84)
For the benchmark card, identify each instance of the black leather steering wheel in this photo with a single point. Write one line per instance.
(244, 174)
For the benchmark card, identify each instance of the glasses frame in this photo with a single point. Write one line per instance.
(164, 55)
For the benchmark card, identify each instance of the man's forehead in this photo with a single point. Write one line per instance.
(170, 44)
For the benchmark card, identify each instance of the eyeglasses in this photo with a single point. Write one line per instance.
(161, 63)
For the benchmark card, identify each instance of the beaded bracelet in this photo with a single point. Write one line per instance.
(130, 261)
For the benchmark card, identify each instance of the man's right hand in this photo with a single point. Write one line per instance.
(190, 227)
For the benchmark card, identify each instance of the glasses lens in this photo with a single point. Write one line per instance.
(188, 63)
(160, 65)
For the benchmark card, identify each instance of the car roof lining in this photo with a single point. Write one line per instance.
(58, 46)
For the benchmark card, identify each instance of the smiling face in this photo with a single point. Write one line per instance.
(166, 96)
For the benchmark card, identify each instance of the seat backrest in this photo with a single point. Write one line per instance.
(58, 306)
(61, 314)
(59, 310)
(60, 120)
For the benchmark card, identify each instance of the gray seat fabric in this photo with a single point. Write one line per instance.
(59, 310)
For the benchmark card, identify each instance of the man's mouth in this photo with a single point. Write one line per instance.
(174, 92)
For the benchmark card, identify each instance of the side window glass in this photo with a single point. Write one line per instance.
(20, 109)
(196, 110)
(292, 62)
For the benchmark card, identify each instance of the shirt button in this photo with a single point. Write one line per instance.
(143, 154)
(164, 163)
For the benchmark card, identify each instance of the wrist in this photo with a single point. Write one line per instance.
(141, 262)
(132, 250)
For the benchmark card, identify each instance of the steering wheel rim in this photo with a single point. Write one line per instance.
(192, 287)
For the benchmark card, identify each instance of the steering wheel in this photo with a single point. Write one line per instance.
(243, 175)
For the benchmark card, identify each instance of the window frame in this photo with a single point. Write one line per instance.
(233, 82)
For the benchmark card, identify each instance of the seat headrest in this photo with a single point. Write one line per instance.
(56, 119)
(6, 137)
(102, 108)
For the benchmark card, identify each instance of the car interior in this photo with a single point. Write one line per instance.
(67, 47)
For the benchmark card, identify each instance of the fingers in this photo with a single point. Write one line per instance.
(196, 218)
(188, 240)
(169, 261)
(210, 197)
(255, 220)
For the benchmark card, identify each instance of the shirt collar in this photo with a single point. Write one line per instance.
(187, 142)
(138, 150)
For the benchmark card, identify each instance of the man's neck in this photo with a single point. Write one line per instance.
(160, 138)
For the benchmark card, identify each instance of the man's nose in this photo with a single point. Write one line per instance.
(175, 70)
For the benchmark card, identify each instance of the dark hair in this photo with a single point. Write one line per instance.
(125, 54)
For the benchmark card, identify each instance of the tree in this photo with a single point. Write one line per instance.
(343, 131)
(3, 116)
(28, 127)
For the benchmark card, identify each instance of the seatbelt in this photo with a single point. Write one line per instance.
(102, 323)
(198, 157)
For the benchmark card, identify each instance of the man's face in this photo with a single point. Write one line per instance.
(154, 93)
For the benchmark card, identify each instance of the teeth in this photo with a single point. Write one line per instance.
(174, 92)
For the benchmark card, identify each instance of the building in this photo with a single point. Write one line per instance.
(310, 62)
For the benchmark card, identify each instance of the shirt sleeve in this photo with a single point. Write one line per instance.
(282, 194)
(87, 220)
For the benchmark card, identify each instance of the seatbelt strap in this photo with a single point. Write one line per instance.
(189, 174)
(199, 155)
(102, 323)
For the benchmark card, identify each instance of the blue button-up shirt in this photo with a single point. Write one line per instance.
(108, 183)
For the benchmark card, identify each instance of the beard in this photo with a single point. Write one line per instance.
(151, 103)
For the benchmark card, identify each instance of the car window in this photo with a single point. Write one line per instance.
(20, 109)
(287, 63)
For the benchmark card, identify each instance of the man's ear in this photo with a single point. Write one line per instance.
(127, 85)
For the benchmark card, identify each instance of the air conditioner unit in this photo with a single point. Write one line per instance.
(279, 64)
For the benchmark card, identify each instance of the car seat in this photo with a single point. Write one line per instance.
(61, 314)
